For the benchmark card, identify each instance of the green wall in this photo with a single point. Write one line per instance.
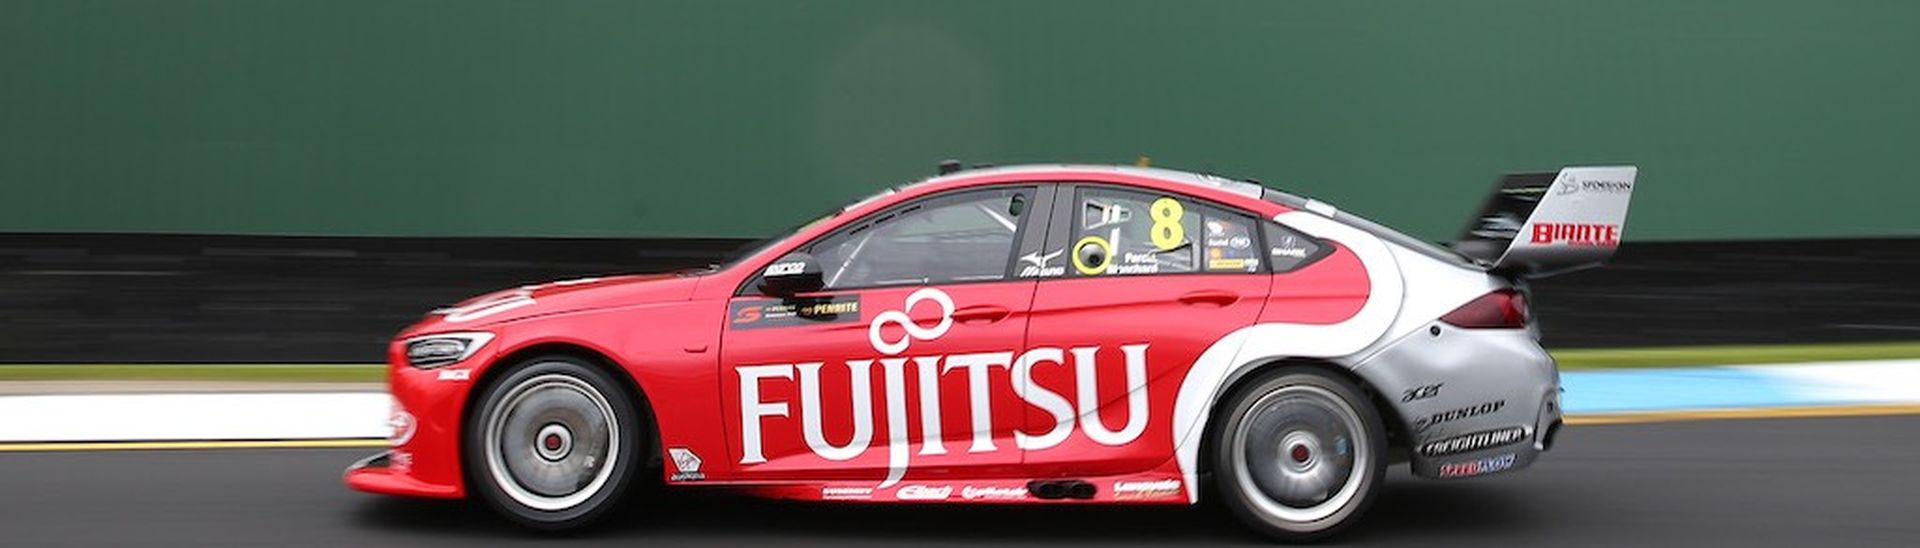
(1749, 118)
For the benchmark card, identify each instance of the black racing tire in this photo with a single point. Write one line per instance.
(1299, 454)
(554, 443)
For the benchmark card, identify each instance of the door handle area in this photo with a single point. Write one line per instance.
(985, 313)
(1209, 297)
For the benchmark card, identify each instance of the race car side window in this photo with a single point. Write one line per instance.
(962, 237)
(1128, 232)
(1288, 249)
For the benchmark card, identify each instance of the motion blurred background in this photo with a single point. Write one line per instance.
(211, 181)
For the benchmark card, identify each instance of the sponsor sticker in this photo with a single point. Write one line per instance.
(1471, 468)
(1577, 234)
(686, 465)
(846, 493)
(1418, 393)
(1035, 265)
(923, 492)
(454, 375)
(1148, 489)
(400, 426)
(1475, 441)
(1456, 414)
(1567, 184)
(786, 269)
(778, 313)
(993, 493)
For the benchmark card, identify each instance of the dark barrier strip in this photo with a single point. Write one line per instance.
(196, 298)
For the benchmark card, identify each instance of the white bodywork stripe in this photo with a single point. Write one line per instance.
(1260, 342)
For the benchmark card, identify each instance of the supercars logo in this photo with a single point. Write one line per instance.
(757, 413)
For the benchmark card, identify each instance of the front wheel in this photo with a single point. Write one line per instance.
(553, 444)
(1300, 454)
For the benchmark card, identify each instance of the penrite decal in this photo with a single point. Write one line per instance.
(788, 313)
(756, 412)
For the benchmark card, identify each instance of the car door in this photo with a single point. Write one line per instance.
(901, 364)
(1151, 280)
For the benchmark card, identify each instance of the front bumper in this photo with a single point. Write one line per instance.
(428, 405)
(1496, 407)
(378, 474)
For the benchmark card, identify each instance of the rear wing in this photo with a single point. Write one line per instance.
(1541, 224)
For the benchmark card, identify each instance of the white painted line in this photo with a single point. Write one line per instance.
(1877, 381)
(344, 415)
(147, 417)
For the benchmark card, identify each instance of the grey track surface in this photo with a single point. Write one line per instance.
(1797, 482)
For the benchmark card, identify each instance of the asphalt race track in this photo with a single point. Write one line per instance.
(1783, 482)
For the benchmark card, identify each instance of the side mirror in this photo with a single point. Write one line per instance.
(793, 274)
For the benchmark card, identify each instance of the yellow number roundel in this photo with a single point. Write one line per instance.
(1106, 256)
(1167, 230)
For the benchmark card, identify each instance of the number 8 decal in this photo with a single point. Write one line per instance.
(1167, 230)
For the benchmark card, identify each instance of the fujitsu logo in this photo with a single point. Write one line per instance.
(927, 370)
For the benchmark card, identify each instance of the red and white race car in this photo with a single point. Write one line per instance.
(1027, 335)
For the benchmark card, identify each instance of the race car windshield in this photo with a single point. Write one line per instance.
(756, 246)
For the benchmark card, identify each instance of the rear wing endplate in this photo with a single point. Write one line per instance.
(1541, 224)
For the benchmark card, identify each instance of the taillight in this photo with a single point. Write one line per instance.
(1501, 309)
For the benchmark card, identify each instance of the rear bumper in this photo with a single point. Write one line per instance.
(1495, 408)
(378, 474)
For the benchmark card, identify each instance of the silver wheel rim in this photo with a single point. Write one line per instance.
(1300, 454)
(551, 442)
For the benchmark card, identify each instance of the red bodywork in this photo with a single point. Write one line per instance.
(1033, 380)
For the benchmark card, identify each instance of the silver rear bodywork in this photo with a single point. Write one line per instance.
(1463, 396)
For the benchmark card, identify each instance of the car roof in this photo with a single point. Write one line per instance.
(1243, 188)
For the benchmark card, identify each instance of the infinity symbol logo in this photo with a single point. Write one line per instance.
(914, 331)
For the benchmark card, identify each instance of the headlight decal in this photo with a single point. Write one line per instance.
(429, 351)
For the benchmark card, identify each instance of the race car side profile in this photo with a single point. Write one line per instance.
(1017, 335)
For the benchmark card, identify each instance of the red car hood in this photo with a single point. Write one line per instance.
(554, 298)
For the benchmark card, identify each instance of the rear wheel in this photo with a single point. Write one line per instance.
(1299, 455)
(554, 443)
